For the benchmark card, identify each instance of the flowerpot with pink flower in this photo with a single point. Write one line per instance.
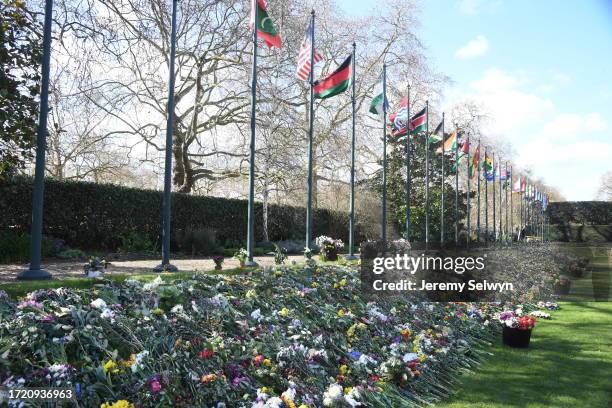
(516, 328)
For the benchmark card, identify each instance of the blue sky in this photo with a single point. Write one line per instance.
(542, 70)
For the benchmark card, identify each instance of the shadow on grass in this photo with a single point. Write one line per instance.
(568, 364)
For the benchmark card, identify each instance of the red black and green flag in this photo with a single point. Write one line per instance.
(263, 23)
(418, 123)
(336, 82)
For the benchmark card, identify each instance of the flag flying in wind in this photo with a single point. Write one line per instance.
(473, 170)
(436, 136)
(449, 144)
(418, 123)
(464, 149)
(516, 188)
(487, 167)
(399, 119)
(376, 106)
(303, 67)
(336, 82)
(263, 24)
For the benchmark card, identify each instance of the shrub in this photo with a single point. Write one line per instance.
(94, 216)
(15, 246)
(199, 242)
(133, 241)
(72, 254)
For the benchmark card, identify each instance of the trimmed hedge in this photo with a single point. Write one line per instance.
(92, 216)
(580, 212)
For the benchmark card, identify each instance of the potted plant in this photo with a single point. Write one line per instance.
(95, 267)
(329, 247)
(516, 328)
(562, 286)
(218, 260)
(241, 256)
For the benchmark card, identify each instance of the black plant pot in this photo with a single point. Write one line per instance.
(516, 337)
(331, 255)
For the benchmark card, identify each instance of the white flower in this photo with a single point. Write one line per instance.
(98, 304)
(108, 314)
(409, 357)
(153, 284)
(178, 309)
(333, 394)
(256, 315)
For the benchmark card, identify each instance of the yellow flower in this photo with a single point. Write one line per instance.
(267, 362)
(343, 369)
(130, 362)
(341, 312)
(250, 294)
(361, 326)
(351, 331)
(265, 390)
(422, 358)
(118, 404)
(111, 366)
(303, 406)
(347, 390)
(284, 312)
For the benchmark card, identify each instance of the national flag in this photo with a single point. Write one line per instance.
(263, 24)
(523, 184)
(473, 169)
(464, 149)
(487, 167)
(336, 82)
(418, 123)
(400, 118)
(503, 174)
(449, 144)
(376, 106)
(303, 67)
(516, 188)
(436, 136)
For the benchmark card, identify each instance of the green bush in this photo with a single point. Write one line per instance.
(202, 241)
(134, 241)
(94, 216)
(72, 254)
(15, 246)
(580, 212)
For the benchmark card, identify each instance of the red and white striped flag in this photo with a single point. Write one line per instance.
(303, 66)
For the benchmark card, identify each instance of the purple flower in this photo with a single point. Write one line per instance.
(29, 303)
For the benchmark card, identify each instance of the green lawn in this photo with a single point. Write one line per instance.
(568, 364)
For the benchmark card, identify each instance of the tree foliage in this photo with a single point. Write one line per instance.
(20, 54)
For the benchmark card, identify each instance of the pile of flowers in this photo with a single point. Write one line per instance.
(283, 337)
(516, 319)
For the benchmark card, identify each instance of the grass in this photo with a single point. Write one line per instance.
(568, 364)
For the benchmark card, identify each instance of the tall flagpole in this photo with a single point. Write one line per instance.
(511, 205)
(310, 132)
(251, 207)
(427, 176)
(384, 206)
(456, 187)
(34, 272)
(408, 169)
(351, 254)
(467, 194)
(166, 265)
(486, 183)
(442, 189)
(507, 188)
(501, 220)
(494, 200)
(478, 166)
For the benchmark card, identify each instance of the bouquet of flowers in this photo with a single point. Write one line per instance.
(329, 247)
(517, 320)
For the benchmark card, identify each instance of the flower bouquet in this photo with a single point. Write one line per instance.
(218, 260)
(516, 328)
(241, 256)
(95, 267)
(329, 247)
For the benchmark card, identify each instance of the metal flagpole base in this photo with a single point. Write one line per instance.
(34, 274)
(351, 257)
(165, 268)
(251, 263)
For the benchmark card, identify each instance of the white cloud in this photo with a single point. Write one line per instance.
(475, 48)
(568, 150)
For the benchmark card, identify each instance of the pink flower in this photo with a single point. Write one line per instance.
(155, 385)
